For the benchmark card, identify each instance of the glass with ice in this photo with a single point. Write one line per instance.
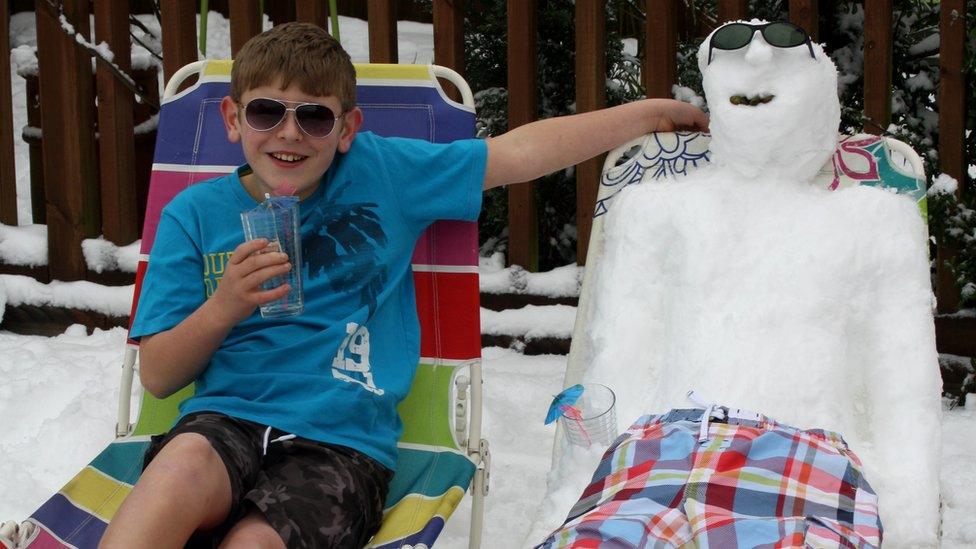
(277, 219)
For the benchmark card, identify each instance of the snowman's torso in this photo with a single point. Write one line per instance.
(755, 293)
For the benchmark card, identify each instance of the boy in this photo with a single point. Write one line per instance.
(275, 448)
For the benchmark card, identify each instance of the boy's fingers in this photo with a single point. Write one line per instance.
(258, 261)
(259, 276)
(698, 122)
(268, 296)
(692, 118)
(701, 122)
(262, 260)
(246, 248)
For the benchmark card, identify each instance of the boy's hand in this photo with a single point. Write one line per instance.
(239, 291)
(673, 115)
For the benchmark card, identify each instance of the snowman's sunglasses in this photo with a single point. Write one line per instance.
(779, 34)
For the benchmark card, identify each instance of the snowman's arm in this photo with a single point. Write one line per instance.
(903, 383)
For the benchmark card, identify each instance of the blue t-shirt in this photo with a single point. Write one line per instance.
(336, 372)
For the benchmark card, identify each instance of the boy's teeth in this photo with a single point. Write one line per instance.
(287, 157)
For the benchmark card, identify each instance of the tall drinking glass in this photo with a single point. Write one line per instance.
(277, 219)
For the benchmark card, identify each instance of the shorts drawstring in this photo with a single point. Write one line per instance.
(722, 413)
(711, 411)
(267, 435)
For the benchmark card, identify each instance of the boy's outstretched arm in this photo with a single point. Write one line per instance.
(542, 147)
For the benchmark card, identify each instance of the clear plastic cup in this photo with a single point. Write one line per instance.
(278, 220)
(597, 421)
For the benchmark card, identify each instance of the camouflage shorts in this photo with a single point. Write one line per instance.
(314, 494)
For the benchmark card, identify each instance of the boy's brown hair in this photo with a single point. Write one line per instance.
(299, 52)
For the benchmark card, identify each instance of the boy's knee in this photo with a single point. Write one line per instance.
(252, 531)
(253, 539)
(190, 457)
(190, 470)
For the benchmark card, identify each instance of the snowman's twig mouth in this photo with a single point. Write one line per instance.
(751, 101)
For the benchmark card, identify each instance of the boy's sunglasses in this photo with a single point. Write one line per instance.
(264, 114)
(779, 34)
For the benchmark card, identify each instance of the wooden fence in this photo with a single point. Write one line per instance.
(81, 202)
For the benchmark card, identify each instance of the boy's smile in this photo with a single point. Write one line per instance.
(285, 159)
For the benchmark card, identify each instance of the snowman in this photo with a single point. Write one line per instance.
(760, 289)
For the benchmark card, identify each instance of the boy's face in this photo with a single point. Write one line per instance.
(285, 158)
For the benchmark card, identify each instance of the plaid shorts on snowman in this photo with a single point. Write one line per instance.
(685, 478)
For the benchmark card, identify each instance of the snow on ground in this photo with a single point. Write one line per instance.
(57, 404)
(958, 479)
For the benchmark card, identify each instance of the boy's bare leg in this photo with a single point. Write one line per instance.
(186, 487)
(253, 531)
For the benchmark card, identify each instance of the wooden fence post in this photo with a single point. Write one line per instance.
(313, 11)
(449, 39)
(591, 95)
(67, 120)
(877, 65)
(179, 29)
(730, 10)
(382, 31)
(952, 127)
(352, 8)
(8, 175)
(38, 199)
(806, 14)
(523, 227)
(280, 12)
(245, 22)
(660, 48)
(116, 142)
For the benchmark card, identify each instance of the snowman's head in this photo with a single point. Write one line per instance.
(772, 99)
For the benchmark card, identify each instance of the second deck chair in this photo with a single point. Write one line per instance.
(441, 451)
(860, 159)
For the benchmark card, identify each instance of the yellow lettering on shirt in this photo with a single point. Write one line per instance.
(214, 265)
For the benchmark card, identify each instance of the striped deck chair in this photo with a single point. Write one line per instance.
(860, 159)
(441, 452)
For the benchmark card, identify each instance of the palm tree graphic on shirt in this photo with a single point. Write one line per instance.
(345, 248)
